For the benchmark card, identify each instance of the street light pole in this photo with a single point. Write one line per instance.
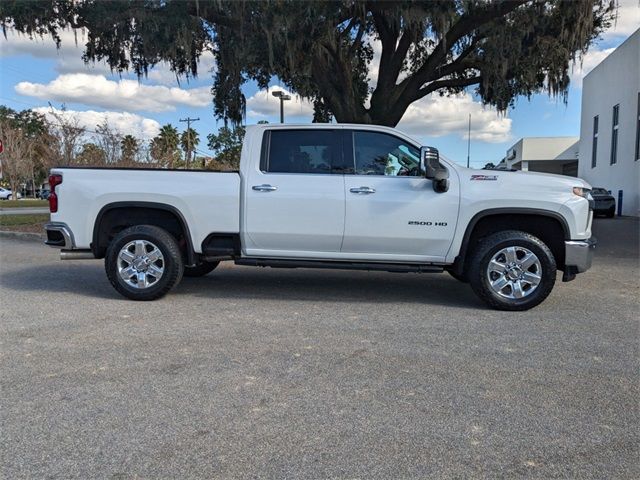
(281, 95)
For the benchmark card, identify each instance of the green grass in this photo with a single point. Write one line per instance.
(23, 203)
(18, 220)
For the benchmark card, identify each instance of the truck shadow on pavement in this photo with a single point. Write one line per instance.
(330, 286)
(245, 283)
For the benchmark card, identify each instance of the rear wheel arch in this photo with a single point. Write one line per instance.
(548, 226)
(115, 217)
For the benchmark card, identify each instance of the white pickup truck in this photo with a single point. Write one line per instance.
(328, 196)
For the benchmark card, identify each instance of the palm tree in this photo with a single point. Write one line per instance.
(165, 145)
(188, 141)
(130, 147)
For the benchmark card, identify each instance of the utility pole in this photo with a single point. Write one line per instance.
(469, 142)
(189, 120)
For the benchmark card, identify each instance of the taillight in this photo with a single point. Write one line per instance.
(53, 198)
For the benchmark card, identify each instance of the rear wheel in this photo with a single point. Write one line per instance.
(512, 270)
(200, 269)
(144, 262)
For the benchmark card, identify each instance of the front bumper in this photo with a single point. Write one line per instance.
(579, 254)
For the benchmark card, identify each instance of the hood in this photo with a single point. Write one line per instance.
(517, 176)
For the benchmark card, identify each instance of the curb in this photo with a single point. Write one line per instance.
(25, 236)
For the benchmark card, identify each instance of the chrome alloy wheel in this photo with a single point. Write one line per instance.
(514, 272)
(140, 264)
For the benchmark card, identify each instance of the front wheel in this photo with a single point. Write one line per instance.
(144, 262)
(512, 270)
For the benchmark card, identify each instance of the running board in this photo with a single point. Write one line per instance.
(382, 267)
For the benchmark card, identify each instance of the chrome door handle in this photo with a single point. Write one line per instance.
(264, 188)
(363, 190)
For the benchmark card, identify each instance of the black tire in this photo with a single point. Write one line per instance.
(171, 263)
(611, 212)
(460, 278)
(201, 269)
(490, 246)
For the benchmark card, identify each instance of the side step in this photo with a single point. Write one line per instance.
(382, 267)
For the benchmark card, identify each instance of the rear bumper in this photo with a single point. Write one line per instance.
(579, 254)
(59, 235)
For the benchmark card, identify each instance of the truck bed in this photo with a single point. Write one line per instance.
(208, 201)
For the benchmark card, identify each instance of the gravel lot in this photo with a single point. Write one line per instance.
(262, 373)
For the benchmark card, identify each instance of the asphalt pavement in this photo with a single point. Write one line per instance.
(265, 373)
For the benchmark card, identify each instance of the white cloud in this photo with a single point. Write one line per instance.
(435, 116)
(68, 58)
(163, 75)
(263, 104)
(432, 116)
(97, 90)
(627, 21)
(583, 66)
(123, 122)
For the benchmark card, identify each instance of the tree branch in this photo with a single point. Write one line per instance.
(460, 63)
(357, 40)
(452, 82)
(466, 24)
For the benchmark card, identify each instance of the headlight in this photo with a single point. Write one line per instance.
(582, 192)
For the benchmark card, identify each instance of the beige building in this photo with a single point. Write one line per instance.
(544, 154)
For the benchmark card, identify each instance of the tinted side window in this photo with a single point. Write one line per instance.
(383, 154)
(302, 151)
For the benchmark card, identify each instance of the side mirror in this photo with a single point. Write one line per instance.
(433, 170)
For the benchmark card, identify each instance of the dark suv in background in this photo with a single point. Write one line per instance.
(605, 203)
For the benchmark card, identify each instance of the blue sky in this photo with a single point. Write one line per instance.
(34, 74)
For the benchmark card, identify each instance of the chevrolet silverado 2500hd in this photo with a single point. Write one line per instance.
(328, 196)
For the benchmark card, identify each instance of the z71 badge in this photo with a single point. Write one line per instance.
(484, 177)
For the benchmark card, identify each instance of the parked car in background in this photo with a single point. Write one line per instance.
(605, 203)
(6, 194)
(43, 194)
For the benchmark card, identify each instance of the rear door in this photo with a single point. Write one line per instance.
(392, 212)
(295, 198)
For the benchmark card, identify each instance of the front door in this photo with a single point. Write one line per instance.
(392, 212)
(295, 199)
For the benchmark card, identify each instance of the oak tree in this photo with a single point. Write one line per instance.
(323, 50)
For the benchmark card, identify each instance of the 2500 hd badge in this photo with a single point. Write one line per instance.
(427, 224)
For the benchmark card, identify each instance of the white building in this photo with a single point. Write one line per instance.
(610, 125)
(544, 154)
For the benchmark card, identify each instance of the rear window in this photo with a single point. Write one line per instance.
(301, 151)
